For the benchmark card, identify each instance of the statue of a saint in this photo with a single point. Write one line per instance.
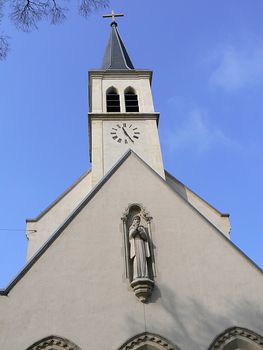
(139, 248)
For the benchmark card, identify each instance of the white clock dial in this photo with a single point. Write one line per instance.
(126, 133)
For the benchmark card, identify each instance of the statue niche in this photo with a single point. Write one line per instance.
(138, 251)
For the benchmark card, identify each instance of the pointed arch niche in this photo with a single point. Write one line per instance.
(112, 100)
(237, 338)
(148, 341)
(54, 343)
(131, 100)
(139, 252)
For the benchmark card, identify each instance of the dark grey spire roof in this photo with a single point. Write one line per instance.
(116, 55)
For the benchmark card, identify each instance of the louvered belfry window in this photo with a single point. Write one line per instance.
(113, 100)
(131, 101)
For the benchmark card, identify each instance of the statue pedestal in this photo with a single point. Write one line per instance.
(142, 288)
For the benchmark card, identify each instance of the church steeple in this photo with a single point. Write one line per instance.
(122, 114)
(116, 55)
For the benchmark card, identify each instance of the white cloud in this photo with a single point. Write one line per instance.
(195, 133)
(236, 67)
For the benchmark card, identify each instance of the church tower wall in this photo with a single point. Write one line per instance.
(105, 151)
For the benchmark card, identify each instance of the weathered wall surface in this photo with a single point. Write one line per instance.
(77, 289)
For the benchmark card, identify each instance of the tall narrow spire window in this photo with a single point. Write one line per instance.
(113, 100)
(131, 100)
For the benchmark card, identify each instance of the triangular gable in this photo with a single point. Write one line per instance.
(96, 189)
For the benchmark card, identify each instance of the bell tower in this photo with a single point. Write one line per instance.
(122, 114)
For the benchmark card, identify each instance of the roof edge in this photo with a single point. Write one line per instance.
(211, 206)
(58, 199)
(122, 48)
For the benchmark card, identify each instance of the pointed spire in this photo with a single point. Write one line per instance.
(116, 55)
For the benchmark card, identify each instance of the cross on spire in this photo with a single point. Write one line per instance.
(113, 15)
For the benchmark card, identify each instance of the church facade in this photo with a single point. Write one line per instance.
(128, 257)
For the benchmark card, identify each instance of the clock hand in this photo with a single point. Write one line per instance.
(125, 132)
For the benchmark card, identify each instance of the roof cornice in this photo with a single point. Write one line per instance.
(98, 73)
(125, 116)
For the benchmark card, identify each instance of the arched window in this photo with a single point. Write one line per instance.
(148, 341)
(54, 343)
(237, 338)
(113, 100)
(131, 100)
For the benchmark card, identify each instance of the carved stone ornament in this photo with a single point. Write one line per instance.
(53, 343)
(234, 333)
(142, 288)
(139, 258)
(148, 339)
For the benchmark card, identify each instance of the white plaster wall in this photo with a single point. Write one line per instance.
(97, 151)
(97, 100)
(50, 219)
(77, 289)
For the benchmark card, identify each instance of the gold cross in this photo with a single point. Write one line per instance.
(113, 15)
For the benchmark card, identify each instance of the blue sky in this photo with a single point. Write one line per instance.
(207, 58)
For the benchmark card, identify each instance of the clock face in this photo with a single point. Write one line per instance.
(126, 133)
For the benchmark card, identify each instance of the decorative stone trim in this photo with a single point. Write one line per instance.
(233, 333)
(142, 288)
(148, 338)
(53, 343)
(144, 212)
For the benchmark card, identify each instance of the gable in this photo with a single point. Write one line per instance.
(82, 273)
(41, 228)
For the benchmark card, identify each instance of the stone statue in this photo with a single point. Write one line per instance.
(139, 249)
